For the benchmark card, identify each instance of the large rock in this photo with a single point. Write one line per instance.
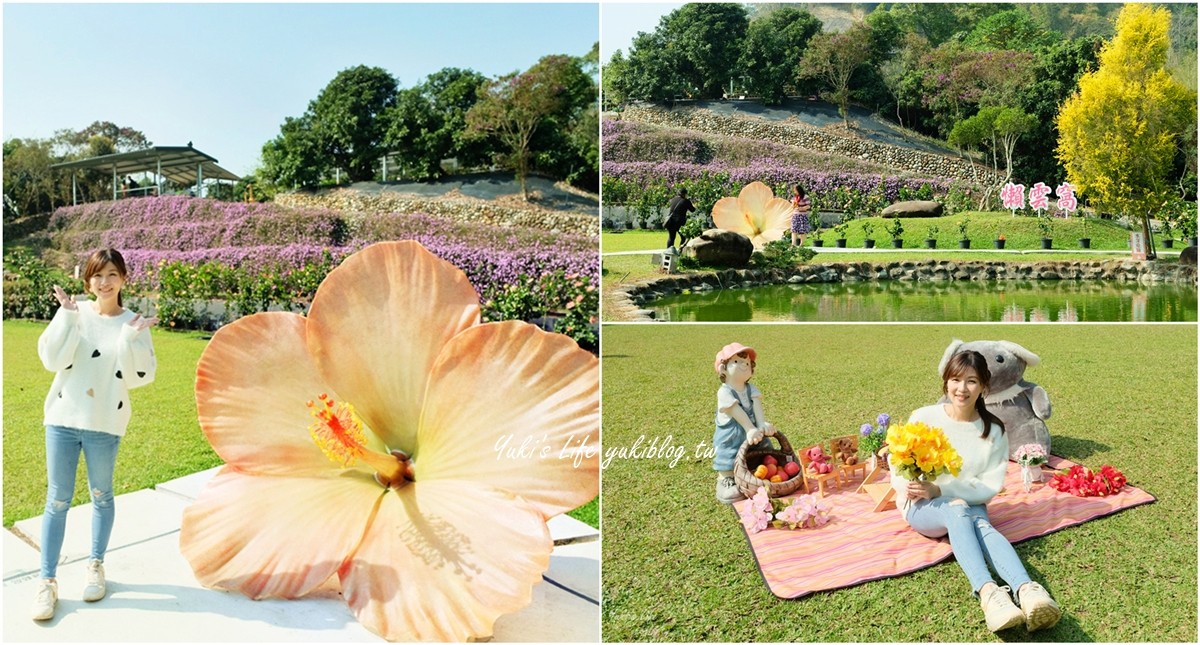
(913, 209)
(1187, 257)
(720, 248)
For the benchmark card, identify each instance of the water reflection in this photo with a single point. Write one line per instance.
(958, 301)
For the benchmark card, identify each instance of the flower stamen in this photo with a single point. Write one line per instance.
(338, 432)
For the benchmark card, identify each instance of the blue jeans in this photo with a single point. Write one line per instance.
(62, 460)
(972, 538)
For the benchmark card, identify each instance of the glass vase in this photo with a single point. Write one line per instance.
(1031, 475)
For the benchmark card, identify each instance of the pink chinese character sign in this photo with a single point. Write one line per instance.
(1066, 198)
(1037, 197)
(1013, 196)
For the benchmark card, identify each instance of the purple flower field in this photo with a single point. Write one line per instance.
(269, 238)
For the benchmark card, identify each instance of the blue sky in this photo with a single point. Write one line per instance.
(224, 76)
(621, 21)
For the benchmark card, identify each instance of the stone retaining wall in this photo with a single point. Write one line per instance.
(802, 136)
(630, 299)
(460, 209)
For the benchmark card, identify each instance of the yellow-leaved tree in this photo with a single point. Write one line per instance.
(1117, 134)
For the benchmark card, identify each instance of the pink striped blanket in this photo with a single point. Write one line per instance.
(858, 545)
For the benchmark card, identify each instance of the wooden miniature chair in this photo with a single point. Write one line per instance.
(845, 469)
(881, 493)
(818, 478)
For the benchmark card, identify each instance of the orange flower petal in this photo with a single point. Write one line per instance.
(275, 536)
(251, 386)
(441, 561)
(776, 220)
(376, 326)
(727, 215)
(754, 197)
(508, 385)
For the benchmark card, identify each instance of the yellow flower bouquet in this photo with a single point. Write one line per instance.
(920, 451)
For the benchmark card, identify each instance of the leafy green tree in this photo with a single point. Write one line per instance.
(1118, 134)
(833, 57)
(512, 109)
(707, 40)
(428, 122)
(120, 139)
(348, 118)
(902, 76)
(940, 22)
(957, 79)
(1014, 29)
(567, 144)
(29, 184)
(1056, 71)
(295, 158)
(774, 46)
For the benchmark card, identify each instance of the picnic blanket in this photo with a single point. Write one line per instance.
(859, 545)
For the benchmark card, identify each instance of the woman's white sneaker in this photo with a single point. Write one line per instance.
(999, 611)
(1041, 612)
(95, 588)
(46, 600)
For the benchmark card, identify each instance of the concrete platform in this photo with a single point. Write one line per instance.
(153, 595)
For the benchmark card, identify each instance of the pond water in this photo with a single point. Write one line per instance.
(955, 301)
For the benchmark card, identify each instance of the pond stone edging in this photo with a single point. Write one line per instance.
(629, 299)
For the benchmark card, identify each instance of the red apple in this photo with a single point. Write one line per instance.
(772, 470)
(792, 469)
(770, 460)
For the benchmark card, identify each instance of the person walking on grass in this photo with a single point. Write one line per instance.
(800, 214)
(677, 211)
(98, 351)
(957, 505)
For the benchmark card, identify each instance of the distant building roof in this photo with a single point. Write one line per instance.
(177, 163)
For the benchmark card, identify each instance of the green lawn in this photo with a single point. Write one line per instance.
(676, 563)
(163, 440)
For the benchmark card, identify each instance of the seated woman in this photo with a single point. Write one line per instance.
(956, 505)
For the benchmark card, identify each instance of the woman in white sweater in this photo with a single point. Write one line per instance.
(956, 505)
(98, 351)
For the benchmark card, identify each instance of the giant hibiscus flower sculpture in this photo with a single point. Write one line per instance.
(756, 213)
(362, 442)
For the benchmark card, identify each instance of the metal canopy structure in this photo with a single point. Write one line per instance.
(183, 165)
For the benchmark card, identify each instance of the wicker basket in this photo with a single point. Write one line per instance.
(749, 458)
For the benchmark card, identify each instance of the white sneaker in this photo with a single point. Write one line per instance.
(999, 611)
(1040, 609)
(47, 598)
(95, 588)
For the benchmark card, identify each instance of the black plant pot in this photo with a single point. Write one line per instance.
(999, 243)
(840, 242)
(868, 244)
(1086, 243)
(931, 244)
(1168, 244)
(1192, 241)
(897, 243)
(818, 242)
(1046, 242)
(964, 244)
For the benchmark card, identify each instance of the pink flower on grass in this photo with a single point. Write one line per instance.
(756, 213)
(361, 441)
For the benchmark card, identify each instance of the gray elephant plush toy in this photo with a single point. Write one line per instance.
(1021, 405)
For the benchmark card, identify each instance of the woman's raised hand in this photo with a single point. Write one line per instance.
(142, 324)
(66, 301)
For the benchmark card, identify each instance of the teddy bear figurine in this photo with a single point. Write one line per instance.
(818, 461)
(1022, 406)
(844, 450)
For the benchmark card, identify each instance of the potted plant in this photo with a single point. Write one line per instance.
(868, 241)
(999, 242)
(840, 232)
(963, 241)
(931, 237)
(896, 229)
(1047, 229)
(1187, 224)
(1085, 242)
(872, 439)
(816, 236)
